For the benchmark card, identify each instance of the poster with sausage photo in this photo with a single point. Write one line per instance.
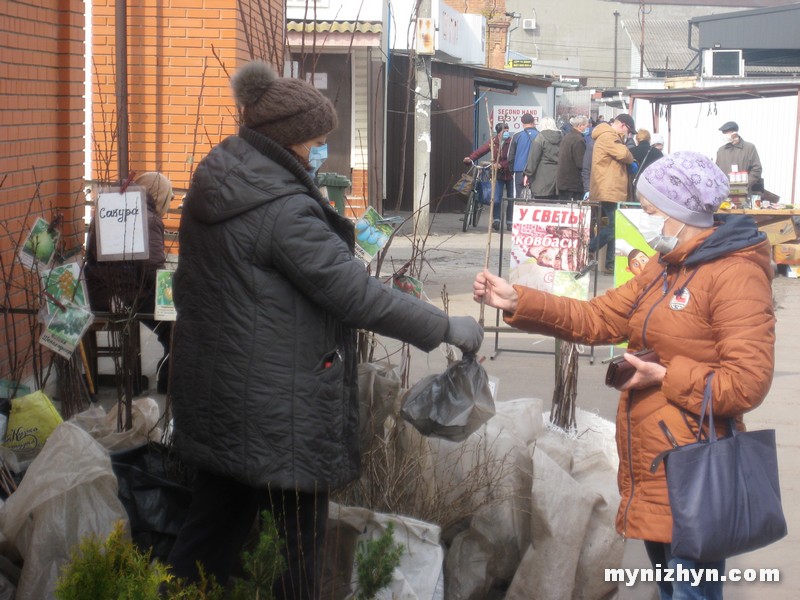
(548, 249)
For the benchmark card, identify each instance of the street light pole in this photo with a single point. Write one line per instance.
(616, 30)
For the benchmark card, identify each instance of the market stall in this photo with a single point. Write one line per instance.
(781, 229)
(768, 114)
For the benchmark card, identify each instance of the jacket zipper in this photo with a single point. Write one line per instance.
(665, 290)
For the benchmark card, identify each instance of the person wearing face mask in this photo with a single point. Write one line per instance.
(269, 298)
(737, 155)
(504, 184)
(703, 303)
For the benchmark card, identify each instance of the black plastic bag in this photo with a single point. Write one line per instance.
(453, 404)
(154, 489)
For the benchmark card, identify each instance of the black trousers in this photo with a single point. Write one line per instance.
(220, 519)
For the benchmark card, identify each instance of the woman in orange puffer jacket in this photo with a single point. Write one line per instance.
(704, 306)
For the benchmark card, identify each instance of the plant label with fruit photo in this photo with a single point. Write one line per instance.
(165, 306)
(372, 234)
(65, 329)
(40, 247)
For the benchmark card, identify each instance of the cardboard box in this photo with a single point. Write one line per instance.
(780, 232)
(787, 254)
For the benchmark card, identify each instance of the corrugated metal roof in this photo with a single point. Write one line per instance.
(771, 69)
(666, 43)
(335, 26)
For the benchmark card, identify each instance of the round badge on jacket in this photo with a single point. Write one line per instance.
(680, 299)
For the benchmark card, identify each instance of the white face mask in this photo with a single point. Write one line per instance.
(727, 138)
(664, 244)
(650, 225)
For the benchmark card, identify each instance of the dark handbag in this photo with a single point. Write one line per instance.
(620, 370)
(724, 493)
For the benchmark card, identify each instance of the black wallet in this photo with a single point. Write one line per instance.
(620, 370)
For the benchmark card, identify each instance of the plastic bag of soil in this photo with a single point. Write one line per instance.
(453, 404)
(154, 488)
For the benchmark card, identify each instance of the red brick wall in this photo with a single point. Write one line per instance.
(41, 135)
(181, 54)
(357, 197)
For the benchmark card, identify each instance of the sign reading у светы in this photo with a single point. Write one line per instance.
(120, 224)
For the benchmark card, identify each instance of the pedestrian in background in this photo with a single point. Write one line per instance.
(520, 148)
(737, 155)
(504, 178)
(586, 171)
(269, 298)
(570, 160)
(609, 184)
(130, 285)
(704, 305)
(542, 168)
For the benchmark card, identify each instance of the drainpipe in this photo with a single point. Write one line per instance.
(616, 30)
(121, 41)
(516, 16)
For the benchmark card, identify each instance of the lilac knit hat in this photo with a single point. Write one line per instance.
(687, 186)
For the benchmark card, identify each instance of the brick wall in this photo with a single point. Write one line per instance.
(357, 197)
(181, 54)
(41, 138)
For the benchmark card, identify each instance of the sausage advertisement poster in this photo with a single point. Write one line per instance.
(549, 247)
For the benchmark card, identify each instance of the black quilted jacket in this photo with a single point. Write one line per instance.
(269, 297)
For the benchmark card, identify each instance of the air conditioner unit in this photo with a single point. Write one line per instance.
(723, 63)
(529, 24)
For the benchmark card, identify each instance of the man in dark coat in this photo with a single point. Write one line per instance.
(736, 155)
(570, 160)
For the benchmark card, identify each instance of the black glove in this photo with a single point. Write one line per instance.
(464, 333)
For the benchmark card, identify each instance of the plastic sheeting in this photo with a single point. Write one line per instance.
(574, 500)
(68, 492)
(419, 575)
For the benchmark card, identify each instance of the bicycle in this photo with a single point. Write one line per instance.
(475, 200)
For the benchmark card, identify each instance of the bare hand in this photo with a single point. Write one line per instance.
(495, 291)
(647, 373)
(467, 160)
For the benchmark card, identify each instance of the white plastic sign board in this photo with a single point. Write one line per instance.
(120, 223)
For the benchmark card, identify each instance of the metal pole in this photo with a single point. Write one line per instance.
(616, 30)
(121, 42)
(796, 142)
(641, 41)
(422, 132)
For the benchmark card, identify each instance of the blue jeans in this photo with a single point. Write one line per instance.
(684, 572)
(500, 188)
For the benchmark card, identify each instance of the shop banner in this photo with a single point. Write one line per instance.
(549, 244)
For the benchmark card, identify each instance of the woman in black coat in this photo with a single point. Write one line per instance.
(269, 298)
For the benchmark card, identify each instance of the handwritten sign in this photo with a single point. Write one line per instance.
(120, 222)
